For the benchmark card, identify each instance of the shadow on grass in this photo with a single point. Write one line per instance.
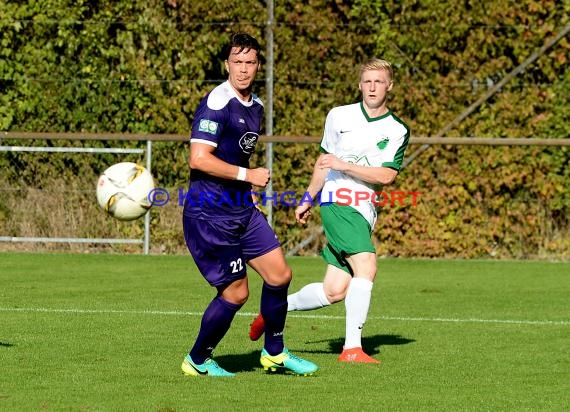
(242, 362)
(6, 345)
(371, 344)
(248, 362)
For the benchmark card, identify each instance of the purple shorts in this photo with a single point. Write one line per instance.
(221, 248)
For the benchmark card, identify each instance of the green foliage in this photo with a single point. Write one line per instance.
(142, 66)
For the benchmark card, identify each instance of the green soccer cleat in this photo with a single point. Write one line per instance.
(286, 361)
(208, 368)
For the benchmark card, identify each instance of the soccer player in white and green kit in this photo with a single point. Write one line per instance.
(362, 149)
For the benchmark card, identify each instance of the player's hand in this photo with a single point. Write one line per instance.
(303, 212)
(330, 161)
(259, 176)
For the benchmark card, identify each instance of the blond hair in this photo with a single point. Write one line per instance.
(376, 64)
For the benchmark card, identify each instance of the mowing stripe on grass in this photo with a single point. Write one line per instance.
(303, 316)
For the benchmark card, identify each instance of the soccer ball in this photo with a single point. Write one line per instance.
(123, 191)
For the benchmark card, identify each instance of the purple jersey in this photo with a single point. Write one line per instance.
(232, 126)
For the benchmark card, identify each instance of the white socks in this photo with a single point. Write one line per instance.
(311, 296)
(357, 302)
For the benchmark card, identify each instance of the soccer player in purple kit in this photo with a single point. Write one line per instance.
(224, 231)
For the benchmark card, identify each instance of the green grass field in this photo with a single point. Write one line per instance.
(108, 333)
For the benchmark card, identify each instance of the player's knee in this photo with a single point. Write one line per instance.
(236, 293)
(281, 277)
(239, 297)
(336, 294)
(334, 298)
(242, 301)
(285, 276)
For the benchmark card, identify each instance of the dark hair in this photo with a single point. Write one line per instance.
(242, 41)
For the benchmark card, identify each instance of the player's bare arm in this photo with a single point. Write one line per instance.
(317, 182)
(202, 158)
(374, 175)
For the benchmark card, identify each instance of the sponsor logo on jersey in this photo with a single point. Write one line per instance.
(208, 126)
(248, 141)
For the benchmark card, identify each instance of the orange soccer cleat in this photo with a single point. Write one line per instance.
(257, 328)
(356, 355)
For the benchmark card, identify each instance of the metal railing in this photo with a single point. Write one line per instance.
(149, 138)
(146, 238)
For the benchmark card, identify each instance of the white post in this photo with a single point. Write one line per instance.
(146, 241)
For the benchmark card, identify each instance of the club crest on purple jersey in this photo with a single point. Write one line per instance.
(248, 141)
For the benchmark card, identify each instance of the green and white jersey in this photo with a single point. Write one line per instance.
(351, 135)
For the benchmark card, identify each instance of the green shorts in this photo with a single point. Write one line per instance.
(347, 233)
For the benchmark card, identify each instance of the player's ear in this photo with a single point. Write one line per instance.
(227, 66)
(391, 85)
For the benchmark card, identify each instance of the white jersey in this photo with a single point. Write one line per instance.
(351, 135)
